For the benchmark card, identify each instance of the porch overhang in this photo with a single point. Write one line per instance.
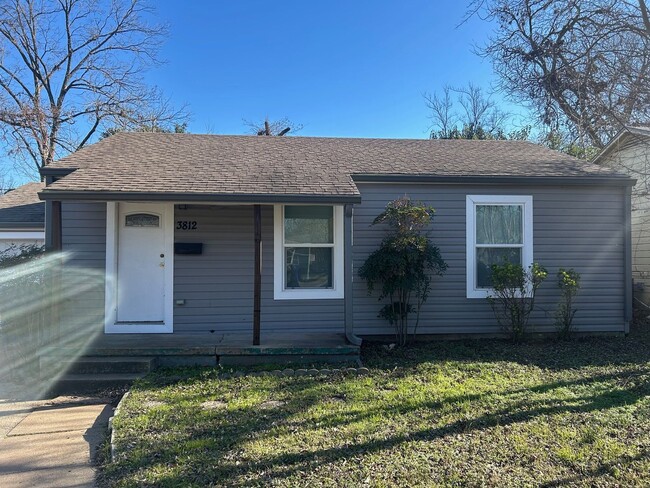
(178, 197)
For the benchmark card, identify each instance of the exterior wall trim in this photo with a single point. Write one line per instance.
(627, 242)
(279, 293)
(470, 236)
(10, 234)
(110, 301)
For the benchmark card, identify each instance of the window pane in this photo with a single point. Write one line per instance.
(499, 224)
(487, 256)
(142, 220)
(308, 267)
(306, 224)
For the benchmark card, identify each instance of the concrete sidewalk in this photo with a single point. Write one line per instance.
(51, 443)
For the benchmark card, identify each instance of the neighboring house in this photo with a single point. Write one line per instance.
(205, 235)
(629, 152)
(22, 217)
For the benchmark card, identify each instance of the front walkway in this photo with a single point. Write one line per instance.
(51, 442)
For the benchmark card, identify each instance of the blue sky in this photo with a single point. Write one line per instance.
(341, 68)
(353, 68)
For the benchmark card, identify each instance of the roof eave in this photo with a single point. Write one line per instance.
(22, 225)
(48, 171)
(497, 180)
(616, 140)
(52, 194)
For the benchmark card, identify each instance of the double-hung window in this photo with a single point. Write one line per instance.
(308, 255)
(499, 231)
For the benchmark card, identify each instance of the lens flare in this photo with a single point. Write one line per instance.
(46, 322)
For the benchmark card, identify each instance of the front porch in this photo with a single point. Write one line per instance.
(222, 349)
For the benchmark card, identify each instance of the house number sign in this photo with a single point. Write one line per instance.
(186, 225)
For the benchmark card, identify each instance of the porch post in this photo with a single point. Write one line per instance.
(348, 295)
(257, 287)
(53, 225)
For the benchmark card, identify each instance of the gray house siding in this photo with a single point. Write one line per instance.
(574, 226)
(632, 156)
(83, 226)
(217, 286)
(579, 227)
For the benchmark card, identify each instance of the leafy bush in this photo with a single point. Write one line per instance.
(403, 264)
(568, 281)
(513, 298)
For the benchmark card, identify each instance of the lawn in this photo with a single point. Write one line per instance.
(471, 413)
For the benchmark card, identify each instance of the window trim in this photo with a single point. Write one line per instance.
(279, 291)
(526, 250)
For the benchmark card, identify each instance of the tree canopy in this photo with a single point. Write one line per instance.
(583, 67)
(467, 112)
(72, 68)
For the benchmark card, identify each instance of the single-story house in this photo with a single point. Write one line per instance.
(22, 217)
(208, 236)
(629, 152)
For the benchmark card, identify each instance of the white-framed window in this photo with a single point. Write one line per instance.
(308, 252)
(499, 230)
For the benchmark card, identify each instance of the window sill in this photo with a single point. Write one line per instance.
(307, 294)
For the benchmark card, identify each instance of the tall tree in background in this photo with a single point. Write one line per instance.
(467, 112)
(71, 68)
(583, 66)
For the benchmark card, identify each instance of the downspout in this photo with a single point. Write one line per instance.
(627, 243)
(348, 293)
(257, 279)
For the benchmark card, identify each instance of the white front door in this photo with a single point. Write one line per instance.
(143, 254)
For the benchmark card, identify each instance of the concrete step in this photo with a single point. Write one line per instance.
(83, 383)
(89, 365)
(97, 365)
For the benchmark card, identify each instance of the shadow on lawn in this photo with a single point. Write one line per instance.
(548, 354)
(287, 464)
(214, 451)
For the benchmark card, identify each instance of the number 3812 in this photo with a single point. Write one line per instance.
(186, 225)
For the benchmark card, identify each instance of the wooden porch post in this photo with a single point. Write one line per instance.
(257, 287)
(56, 244)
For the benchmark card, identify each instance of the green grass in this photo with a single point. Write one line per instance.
(472, 413)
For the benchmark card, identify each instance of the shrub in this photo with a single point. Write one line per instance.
(403, 264)
(513, 298)
(568, 281)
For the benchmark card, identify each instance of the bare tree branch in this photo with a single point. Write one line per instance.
(71, 68)
(582, 66)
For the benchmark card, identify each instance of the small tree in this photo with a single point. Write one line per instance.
(568, 281)
(403, 264)
(513, 298)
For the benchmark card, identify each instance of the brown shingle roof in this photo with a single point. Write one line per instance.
(22, 206)
(306, 166)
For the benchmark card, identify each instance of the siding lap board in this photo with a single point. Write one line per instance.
(579, 227)
(83, 280)
(574, 226)
(217, 286)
